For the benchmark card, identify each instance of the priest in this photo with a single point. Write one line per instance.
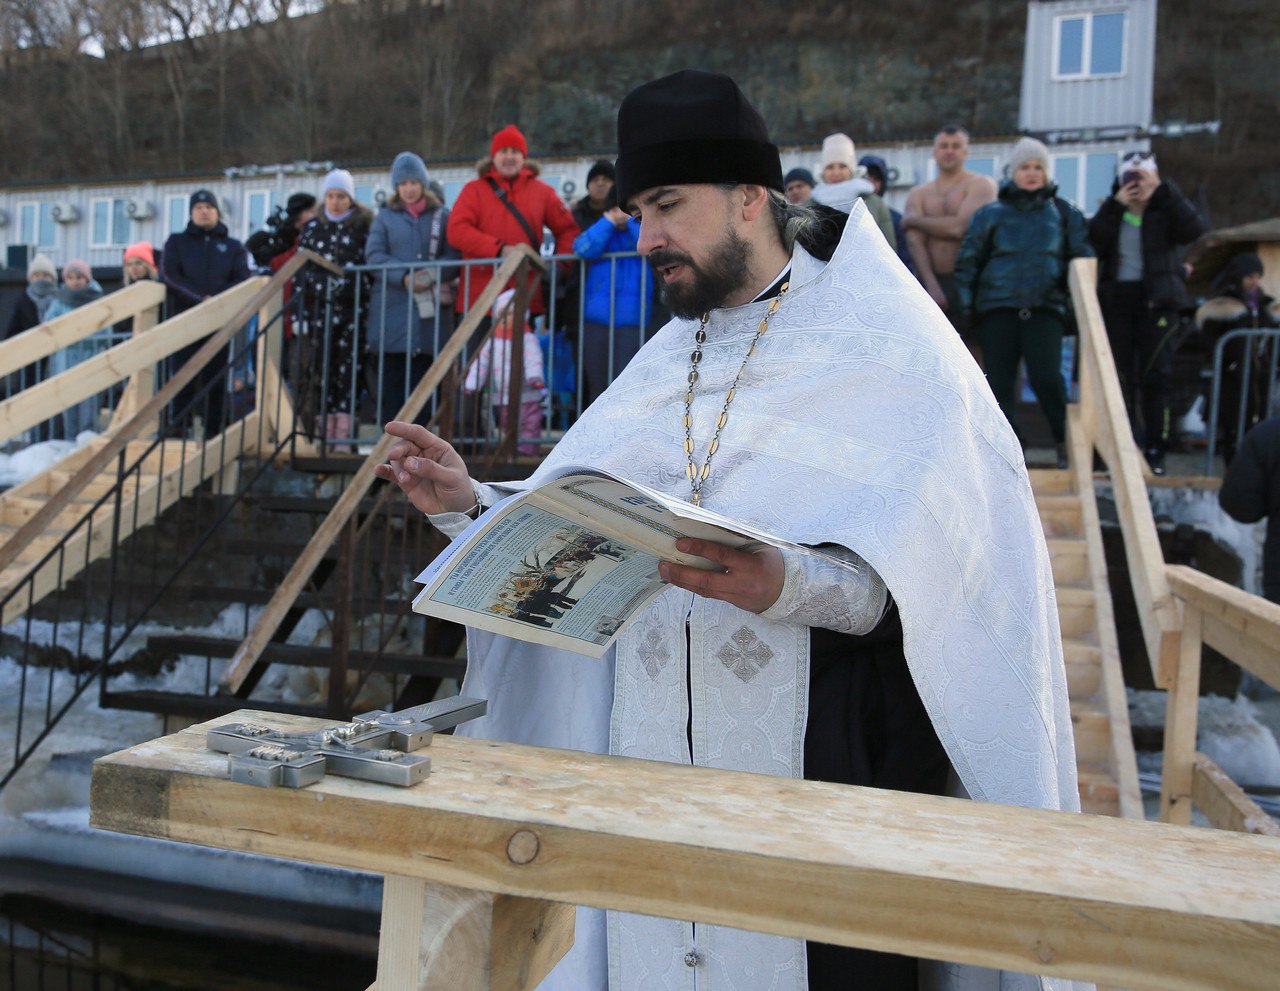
(807, 386)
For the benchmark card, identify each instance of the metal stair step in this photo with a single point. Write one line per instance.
(298, 654)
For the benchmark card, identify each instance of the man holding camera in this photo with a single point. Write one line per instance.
(1136, 235)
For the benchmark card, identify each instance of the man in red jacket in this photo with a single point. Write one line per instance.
(506, 206)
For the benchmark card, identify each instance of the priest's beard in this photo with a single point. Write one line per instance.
(724, 273)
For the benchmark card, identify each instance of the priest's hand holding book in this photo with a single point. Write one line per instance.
(750, 580)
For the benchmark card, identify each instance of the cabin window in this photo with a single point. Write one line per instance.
(110, 224)
(176, 211)
(1085, 179)
(1089, 45)
(35, 225)
(260, 203)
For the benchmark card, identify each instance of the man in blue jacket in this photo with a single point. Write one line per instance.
(617, 304)
(200, 262)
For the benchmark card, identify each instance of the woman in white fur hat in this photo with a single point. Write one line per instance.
(844, 182)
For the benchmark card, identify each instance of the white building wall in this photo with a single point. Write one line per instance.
(912, 162)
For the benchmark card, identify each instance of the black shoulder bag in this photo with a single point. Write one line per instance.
(505, 200)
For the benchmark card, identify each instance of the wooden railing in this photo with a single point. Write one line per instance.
(483, 859)
(218, 319)
(1180, 609)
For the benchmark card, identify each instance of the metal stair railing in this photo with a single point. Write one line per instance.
(369, 609)
(171, 474)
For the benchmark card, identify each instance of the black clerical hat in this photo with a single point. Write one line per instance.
(692, 127)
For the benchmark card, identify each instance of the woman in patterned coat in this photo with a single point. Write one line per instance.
(333, 310)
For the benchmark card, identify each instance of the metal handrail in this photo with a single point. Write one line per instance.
(1246, 334)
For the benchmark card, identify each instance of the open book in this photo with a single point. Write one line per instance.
(570, 563)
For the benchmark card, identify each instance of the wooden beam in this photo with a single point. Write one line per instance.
(294, 582)
(1135, 904)
(436, 937)
(1123, 761)
(1181, 715)
(142, 384)
(1112, 433)
(1244, 627)
(1224, 803)
(46, 338)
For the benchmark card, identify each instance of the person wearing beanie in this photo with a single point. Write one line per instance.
(29, 311)
(411, 311)
(591, 207)
(877, 170)
(935, 218)
(1011, 285)
(491, 373)
(332, 311)
(844, 183)
(1138, 233)
(798, 185)
(79, 287)
(506, 205)
(199, 262)
(1241, 304)
(139, 263)
(586, 212)
(806, 386)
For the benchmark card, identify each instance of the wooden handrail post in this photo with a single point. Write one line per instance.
(436, 937)
(142, 383)
(1181, 711)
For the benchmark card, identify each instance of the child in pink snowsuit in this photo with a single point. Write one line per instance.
(493, 367)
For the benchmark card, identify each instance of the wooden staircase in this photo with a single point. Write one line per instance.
(1099, 710)
(170, 471)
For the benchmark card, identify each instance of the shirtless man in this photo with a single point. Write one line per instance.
(936, 216)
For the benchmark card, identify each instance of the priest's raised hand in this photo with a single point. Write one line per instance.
(428, 470)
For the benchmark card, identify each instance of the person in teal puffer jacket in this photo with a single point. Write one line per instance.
(1011, 280)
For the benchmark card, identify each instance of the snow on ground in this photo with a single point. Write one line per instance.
(17, 467)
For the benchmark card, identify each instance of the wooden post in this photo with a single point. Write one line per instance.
(1180, 724)
(267, 362)
(436, 937)
(142, 383)
(342, 622)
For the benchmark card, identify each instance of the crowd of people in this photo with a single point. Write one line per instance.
(993, 257)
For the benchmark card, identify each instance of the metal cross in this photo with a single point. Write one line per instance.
(374, 746)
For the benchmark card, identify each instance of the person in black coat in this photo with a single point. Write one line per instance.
(1241, 304)
(1251, 490)
(197, 263)
(1136, 235)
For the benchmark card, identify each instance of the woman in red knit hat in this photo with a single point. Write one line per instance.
(507, 205)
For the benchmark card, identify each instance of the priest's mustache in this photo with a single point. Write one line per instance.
(663, 257)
